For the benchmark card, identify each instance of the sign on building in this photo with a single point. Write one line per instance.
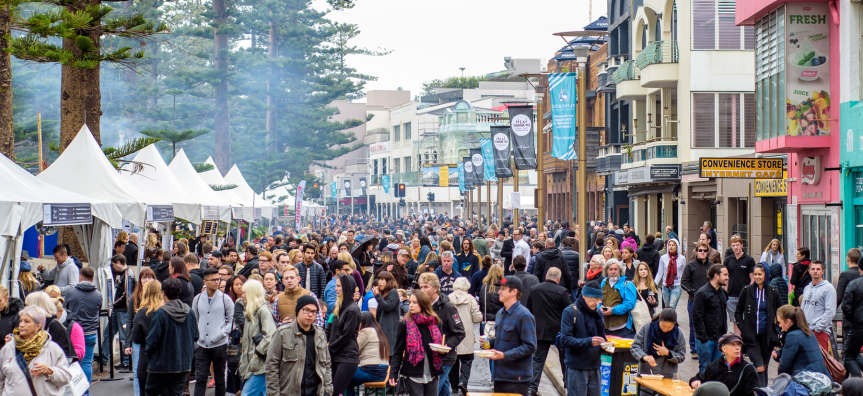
(741, 168)
(771, 187)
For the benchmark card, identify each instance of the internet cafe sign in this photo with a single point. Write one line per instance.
(741, 168)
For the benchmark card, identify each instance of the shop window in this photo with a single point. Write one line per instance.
(815, 234)
(723, 120)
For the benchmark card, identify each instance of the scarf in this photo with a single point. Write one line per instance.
(594, 325)
(672, 270)
(415, 252)
(655, 335)
(592, 274)
(32, 347)
(774, 256)
(416, 349)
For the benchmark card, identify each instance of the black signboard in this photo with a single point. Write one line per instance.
(209, 212)
(665, 172)
(521, 126)
(160, 213)
(66, 214)
(478, 168)
(502, 149)
(209, 227)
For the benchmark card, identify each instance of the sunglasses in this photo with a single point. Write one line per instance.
(702, 251)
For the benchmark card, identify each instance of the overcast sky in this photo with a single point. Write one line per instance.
(432, 39)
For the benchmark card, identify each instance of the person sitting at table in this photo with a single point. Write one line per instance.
(739, 377)
(659, 345)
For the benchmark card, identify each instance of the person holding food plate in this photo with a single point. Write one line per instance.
(514, 333)
(659, 345)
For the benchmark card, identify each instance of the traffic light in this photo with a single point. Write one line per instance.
(400, 190)
(402, 202)
(430, 197)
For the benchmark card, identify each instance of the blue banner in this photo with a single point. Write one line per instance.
(385, 180)
(487, 159)
(460, 167)
(333, 189)
(563, 101)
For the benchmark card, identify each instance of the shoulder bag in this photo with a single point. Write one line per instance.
(19, 358)
(836, 369)
(641, 312)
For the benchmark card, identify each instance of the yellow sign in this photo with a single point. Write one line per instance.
(771, 187)
(741, 168)
(444, 176)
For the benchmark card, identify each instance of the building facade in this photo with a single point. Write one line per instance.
(851, 110)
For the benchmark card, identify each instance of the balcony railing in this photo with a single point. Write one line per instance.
(409, 178)
(654, 152)
(658, 52)
(627, 71)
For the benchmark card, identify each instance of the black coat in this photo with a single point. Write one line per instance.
(60, 336)
(506, 253)
(187, 291)
(852, 304)
(708, 313)
(197, 276)
(570, 257)
(845, 278)
(800, 278)
(344, 329)
(9, 318)
(131, 254)
(547, 302)
(741, 377)
(694, 276)
(647, 253)
(746, 314)
(552, 258)
(489, 303)
(160, 268)
(399, 365)
(452, 326)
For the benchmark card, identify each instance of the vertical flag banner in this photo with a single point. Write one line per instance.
(502, 151)
(333, 189)
(523, 147)
(461, 183)
(476, 160)
(385, 180)
(347, 187)
(444, 176)
(561, 89)
(452, 171)
(468, 173)
(301, 188)
(363, 185)
(487, 159)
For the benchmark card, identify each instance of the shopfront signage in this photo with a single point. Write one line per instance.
(741, 168)
(648, 174)
(160, 213)
(66, 214)
(665, 172)
(771, 187)
(209, 212)
(378, 148)
(810, 171)
(807, 85)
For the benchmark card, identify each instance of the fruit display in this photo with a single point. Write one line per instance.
(809, 117)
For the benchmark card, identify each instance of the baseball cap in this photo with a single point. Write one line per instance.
(403, 252)
(511, 282)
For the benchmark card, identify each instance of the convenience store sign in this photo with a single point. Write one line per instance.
(741, 168)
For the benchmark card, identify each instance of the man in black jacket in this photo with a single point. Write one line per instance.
(131, 252)
(547, 302)
(852, 311)
(852, 258)
(124, 284)
(506, 253)
(82, 304)
(694, 277)
(552, 258)
(647, 253)
(252, 263)
(709, 315)
(451, 325)
(570, 257)
(196, 274)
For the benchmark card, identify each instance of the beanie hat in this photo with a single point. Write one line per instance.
(303, 301)
(592, 289)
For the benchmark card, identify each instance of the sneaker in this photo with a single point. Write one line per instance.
(211, 384)
(463, 389)
(694, 356)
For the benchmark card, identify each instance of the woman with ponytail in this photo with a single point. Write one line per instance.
(800, 350)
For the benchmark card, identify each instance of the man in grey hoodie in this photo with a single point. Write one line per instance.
(65, 274)
(819, 304)
(215, 313)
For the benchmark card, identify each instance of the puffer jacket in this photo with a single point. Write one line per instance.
(12, 379)
(495, 248)
(468, 311)
(252, 359)
(318, 281)
(852, 304)
(286, 361)
(570, 257)
(629, 242)
(778, 283)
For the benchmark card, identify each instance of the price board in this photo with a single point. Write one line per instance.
(66, 214)
(160, 213)
(209, 227)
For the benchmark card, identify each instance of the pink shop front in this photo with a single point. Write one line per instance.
(797, 77)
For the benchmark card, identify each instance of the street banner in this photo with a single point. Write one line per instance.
(502, 151)
(468, 173)
(333, 189)
(347, 187)
(487, 159)
(523, 148)
(363, 184)
(562, 91)
(385, 180)
(431, 176)
(460, 168)
(301, 188)
(476, 160)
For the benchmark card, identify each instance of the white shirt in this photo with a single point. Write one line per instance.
(521, 249)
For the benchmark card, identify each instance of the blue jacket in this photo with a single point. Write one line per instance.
(515, 336)
(421, 256)
(576, 340)
(801, 353)
(330, 295)
(173, 333)
(629, 295)
(439, 272)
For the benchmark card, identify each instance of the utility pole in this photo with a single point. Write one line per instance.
(500, 204)
(540, 163)
(488, 202)
(581, 56)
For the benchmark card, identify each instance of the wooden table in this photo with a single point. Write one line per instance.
(663, 387)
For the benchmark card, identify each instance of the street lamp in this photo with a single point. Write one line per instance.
(462, 71)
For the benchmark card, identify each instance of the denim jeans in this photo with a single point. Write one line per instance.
(118, 320)
(707, 353)
(136, 352)
(87, 363)
(671, 296)
(256, 385)
(362, 377)
(691, 325)
(443, 384)
(583, 382)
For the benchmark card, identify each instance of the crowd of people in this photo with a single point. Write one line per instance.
(357, 301)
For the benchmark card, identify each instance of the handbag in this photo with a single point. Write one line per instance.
(641, 313)
(836, 369)
(402, 388)
(234, 348)
(78, 384)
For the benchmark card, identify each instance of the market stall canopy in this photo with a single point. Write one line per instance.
(599, 24)
(214, 178)
(234, 176)
(186, 173)
(83, 168)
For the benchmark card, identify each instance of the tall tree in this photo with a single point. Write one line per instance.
(7, 133)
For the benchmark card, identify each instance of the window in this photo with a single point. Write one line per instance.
(396, 165)
(407, 131)
(770, 75)
(407, 164)
(723, 120)
(713, 27)
(396, 133)
(383, 166)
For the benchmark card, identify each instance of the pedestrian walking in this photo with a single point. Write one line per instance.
(374, 353)
(468, 310)
(740, 267)
(569, 251)
(196, 273)
(514, 341)
(799, 349)
(468, 260)
(53, 326)
(285, 303)
(735, 373)
(215, 312)
(774, 254)
(31, 361)
(756, 314)
(150, 301)
(713, 255)
(298, 360)
(694, 277)
(547, 302)
(527, 280)
(853, 272)
(506, 251)
(648, 253)
(82, 305)
(344, 350)
(169, 342)
(451, 326)
(388, 313)
(447, 273)
(551, 257)
(489, 300)
(177, 270)
(312, 275)
(800, 277)
(476, 279)
(618, 300)
(258, 331)
(10, 307)
(582, 330)
(852, 311)
(413, 360)
(645, 287)
(659, 346)
(671, 266)
(234, 382)
(709, 315)
(124, 283)
(819, 305)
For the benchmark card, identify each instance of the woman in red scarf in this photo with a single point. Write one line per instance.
(413, 360)
(594, 271)
(670, 271)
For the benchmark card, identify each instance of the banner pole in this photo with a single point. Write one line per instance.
(488, 203)
(582, 163)
(500, 204)
(540, 163)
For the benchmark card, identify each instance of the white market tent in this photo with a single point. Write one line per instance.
(186, 173)
(244, 190)
(21, 206)
(156, 177)
(214, 177)
(84, 169)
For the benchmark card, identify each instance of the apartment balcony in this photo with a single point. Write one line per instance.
(661, 148)
(659, 64)
(627, 79)
(609, 158)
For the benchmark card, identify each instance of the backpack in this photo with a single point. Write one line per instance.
(817, 384)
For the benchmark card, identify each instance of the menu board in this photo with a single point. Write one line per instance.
(66, 214)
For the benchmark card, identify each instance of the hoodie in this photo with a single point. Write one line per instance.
(819, 305)
(778, 283)
(65, 275)
(647, 253)
(630, 242)
(83, 304)
(547, 259)
(160, 268)
(172, 335)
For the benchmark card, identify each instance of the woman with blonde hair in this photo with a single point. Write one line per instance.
(358, 278)
(53, 291)
(643, 280)
(613, 242)
(75, 331)
(52, 325)
(151, 248)
(150, 301)
(773, 254)
(489, 302)
(122, 236)
(259, 321)
(296, 256)
(609, 253)
(28, 282)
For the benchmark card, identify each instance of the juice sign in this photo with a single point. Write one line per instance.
(807, 53)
